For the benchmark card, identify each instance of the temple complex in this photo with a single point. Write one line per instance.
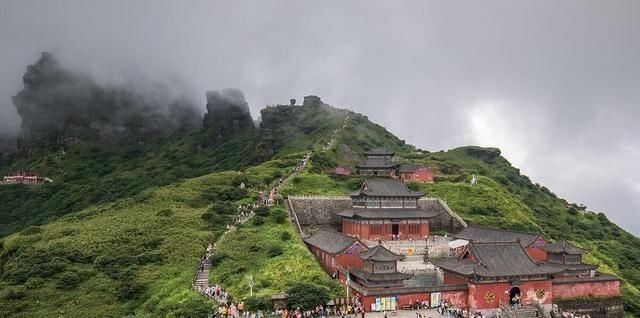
(386, 209)
(387, 257)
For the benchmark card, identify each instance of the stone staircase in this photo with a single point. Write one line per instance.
(520, 312)
(202, 277)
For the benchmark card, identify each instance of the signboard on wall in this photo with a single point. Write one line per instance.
(435, 299)
(385, 304)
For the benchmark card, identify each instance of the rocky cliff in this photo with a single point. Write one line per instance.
(60, 108)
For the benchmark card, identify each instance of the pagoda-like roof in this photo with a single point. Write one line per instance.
(380, 163)
(331, 241)
(496, 259)
(481, 234)
(382, 213)
(380, 253)
(379, 187)
(380, 277)
(379, 151)
(563, 247)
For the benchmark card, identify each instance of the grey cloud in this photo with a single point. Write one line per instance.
(565, 73)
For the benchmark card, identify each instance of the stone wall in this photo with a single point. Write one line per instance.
(596, 307)
(320, 211)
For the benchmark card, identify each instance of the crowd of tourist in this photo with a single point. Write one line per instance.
(229, 309)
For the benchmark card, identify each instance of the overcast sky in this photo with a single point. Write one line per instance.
(554, 84)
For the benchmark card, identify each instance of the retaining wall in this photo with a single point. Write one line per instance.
(320, 211)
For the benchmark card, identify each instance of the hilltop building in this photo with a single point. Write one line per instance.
(336, 250)
(341, 171)
(379, 162)
(569, 256)
(380, 269)
(531, 242)
(24, 177)
(416, 173)
(386, 209)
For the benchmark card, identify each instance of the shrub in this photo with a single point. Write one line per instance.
(280, 216)
(165, 212)
(256, 303)
(13, 294)
(31, 230)
(285, 236)
(216, 259)
(68, 280)
(258, 220)
(262, 211)
(34, 282)
(307, 295)
(274, 251)
(130, 290)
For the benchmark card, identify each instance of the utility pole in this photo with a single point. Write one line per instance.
(250, 285)
(347, 283)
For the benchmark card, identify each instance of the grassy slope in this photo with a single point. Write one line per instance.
(94, 174)
(275, 260)
(172, 241)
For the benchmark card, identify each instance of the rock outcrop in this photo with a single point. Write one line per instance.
(60, 108)
(228, 115)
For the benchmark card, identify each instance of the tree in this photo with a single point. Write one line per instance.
(307, 295)
(256, 303)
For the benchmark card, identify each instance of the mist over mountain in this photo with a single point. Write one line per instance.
(227, 115)
(60, 108)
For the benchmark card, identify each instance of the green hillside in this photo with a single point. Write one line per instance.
(121, 229)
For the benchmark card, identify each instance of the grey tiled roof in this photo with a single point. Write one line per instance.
(576, 267)
(330, 241)
(497, 259)
(481, 234)
(380, 254)
(380, 277)
(563, 246)
(379, 151)
(380, 187)
(376, 163)
(408, 167)
(388, 213)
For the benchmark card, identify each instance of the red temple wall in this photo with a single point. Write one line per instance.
(458, 298)
(453, 280)
(478, 293)
(537, 254)
(405, 299)
(363, 232)
(581, 289)
(349, 260)
(327, 262)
